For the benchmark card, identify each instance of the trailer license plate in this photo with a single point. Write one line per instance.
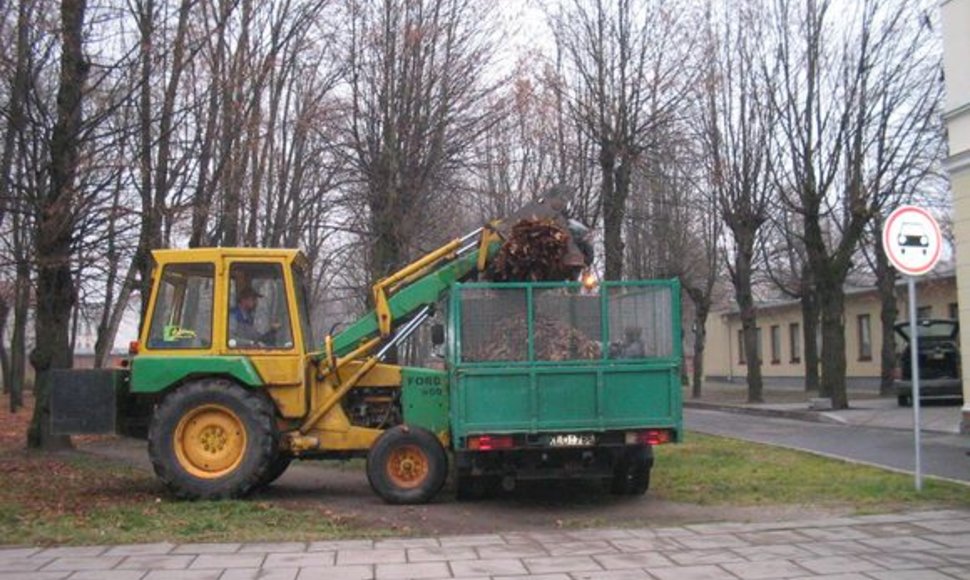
(572, 440)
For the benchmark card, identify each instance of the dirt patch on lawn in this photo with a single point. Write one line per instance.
(342, 491)
(115, 472)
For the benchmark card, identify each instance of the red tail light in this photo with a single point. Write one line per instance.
(133, 347)
(648, 437)
(490, 442)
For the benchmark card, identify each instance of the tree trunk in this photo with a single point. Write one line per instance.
(701, 310)
(15, 106)
(108, 329)
(613, 249)
(150, 231)
(4, 355)
(55, 225)
(810, 336)
(21, 307)
(886, 284)
(832, 307)
(749, 318)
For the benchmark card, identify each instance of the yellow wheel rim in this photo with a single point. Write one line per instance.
(210, 441)
(407, 466)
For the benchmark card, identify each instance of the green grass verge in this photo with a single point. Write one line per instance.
(707, 470)
(77, 499)
(235, 521)
(69, 499)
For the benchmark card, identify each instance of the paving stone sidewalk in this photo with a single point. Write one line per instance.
(918, 545)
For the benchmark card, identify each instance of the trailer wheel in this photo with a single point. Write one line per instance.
(631, 476)
(406, 465)
(212, 439)
(474, 488)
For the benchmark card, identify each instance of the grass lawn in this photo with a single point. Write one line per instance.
(70, 498)
(708, 470)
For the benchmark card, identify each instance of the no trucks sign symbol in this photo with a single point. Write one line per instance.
(912, 241)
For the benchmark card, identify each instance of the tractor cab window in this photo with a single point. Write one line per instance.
(183, 307)
(259, 317)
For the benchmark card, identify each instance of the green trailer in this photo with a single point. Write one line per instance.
(556, 380)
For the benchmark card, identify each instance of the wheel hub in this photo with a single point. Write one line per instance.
(210, 441)
(407, 466)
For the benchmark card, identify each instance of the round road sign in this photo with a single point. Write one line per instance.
(912, 241)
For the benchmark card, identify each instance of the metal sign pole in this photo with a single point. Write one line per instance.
(914, 365)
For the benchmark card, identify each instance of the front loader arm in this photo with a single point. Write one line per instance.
(416, 285)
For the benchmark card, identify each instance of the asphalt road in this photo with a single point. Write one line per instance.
(943, 455)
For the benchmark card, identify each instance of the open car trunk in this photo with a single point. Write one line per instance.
(939, 360)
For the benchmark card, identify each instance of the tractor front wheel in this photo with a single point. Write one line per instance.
(407, 465)
(213, 439)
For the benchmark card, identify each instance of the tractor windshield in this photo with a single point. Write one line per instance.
(183, 307)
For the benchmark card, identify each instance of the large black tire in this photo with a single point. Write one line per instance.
(631, 475)
(213, 439)
(905, 400)
(277, 468)
(407, 465)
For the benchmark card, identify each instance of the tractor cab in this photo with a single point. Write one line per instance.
(241, 313)
(227, 301)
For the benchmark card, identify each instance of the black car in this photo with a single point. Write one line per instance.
(939, 361)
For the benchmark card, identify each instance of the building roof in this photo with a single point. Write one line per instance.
(943, 274)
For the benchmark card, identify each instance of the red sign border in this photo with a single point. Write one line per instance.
(899, 211)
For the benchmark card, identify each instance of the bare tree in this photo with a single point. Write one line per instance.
(418, 100)
(11, 205)
(786, 265)
(55, 221)
(626, 78)
(857, 113)
(736, 126)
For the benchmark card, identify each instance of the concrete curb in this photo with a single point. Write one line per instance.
(813, 416)
(807, 415)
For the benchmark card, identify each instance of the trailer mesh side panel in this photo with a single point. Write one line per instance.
(493, 325)
(567, 325)
(640, 322)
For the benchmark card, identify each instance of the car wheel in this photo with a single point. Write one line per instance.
(905, 400)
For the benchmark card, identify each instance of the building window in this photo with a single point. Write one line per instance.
(795, 341)
(742, 358)
(775, 344)
(924, 312)
(865, 337)
(954, 310)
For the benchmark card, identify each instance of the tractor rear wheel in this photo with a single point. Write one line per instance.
(277, 468)
(407, 465)
(213, 439)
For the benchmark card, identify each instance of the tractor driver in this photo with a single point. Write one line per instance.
(242, 321)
